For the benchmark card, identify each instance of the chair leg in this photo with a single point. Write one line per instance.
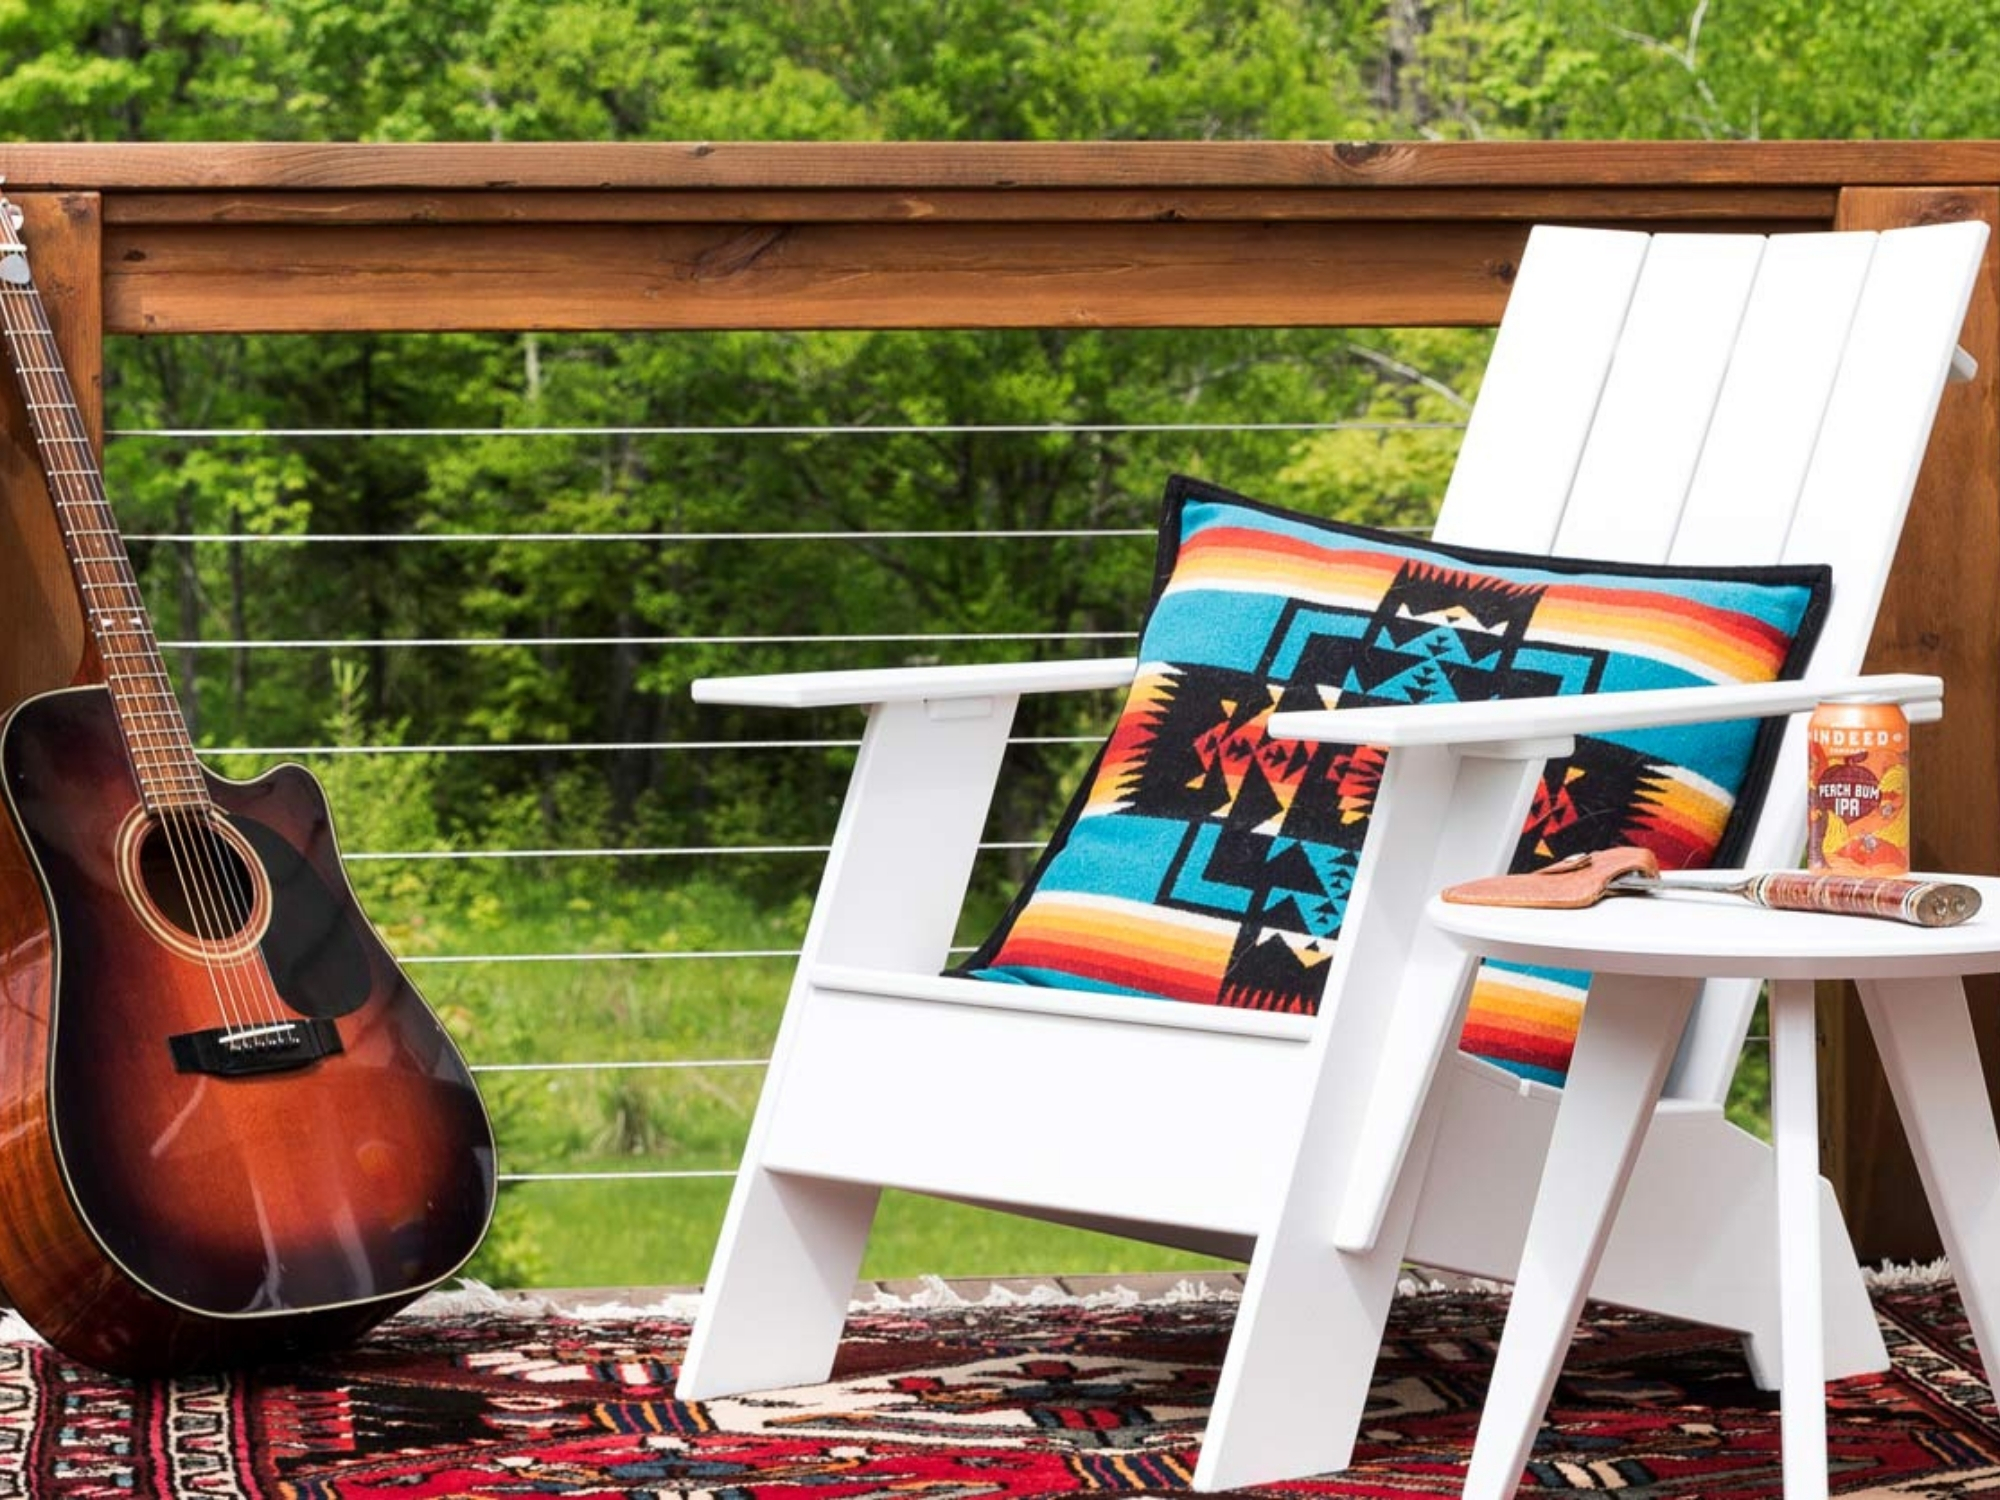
(1850, 1337)
(777, 1296)
(1301, 1358)
(1690, 1240)
(1795, 1140)
(1630, 1028)
(1925, 1036)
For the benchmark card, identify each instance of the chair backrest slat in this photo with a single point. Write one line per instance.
(1878, 418)
(1659, 398)
(1787, 354)
(1541, 389)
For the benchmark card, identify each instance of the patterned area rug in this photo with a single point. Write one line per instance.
(952, 1404)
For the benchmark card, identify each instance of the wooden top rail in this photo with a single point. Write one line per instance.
(302, 238)
(1236, 166)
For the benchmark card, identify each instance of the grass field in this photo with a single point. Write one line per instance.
(661, 1234)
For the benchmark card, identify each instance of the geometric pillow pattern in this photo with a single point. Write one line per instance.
(1207, 860)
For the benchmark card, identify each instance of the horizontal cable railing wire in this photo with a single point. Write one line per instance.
(661, 851)
(787, 430)
(371, 539)
(658, 955)
(622, 1175)
(637, 955)
(640, 1064)
(533, 747)
(634, 851)
(379, 538)
(530, 747)
(343, 643)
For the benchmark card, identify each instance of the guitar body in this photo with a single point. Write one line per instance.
(219, 1142)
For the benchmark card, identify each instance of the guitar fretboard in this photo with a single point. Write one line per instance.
(156, 735)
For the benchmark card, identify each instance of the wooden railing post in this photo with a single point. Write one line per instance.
(41, 625)
(1938, 617)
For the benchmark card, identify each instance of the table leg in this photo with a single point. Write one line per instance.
(1630, 1029)
(1924, 1034)
(1795, 1140)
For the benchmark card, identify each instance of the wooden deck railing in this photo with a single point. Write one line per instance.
(173, 239)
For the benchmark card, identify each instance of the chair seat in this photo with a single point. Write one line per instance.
(1009, 1094)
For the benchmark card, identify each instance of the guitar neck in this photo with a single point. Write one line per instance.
(156, 734)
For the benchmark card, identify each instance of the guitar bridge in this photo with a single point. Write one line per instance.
(240, 1051)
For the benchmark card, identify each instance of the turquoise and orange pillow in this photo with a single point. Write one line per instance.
(1204, 860)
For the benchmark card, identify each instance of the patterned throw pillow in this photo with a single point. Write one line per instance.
(1204, 860)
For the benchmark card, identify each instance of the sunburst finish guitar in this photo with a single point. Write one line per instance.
(229, 1127)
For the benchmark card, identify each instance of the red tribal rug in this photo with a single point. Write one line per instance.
(988, 1401)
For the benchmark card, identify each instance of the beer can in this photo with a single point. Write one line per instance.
(1858, 789)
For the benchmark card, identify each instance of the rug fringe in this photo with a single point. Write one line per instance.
(1890, 1277)
(936, 1293)
(469, 1296)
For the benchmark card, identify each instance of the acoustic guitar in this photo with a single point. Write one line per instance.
(230, 1128)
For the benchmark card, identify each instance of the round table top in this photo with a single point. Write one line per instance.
(1719, 935)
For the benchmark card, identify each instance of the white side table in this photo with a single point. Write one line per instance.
(1647, 954)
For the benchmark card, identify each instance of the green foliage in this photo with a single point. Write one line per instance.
(1393, 475)
(663, 1234)
(985, 70)
(1742, 70)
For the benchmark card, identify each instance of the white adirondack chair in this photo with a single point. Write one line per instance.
(1693, 398)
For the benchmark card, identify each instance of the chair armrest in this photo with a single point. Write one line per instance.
(852, 689)
(1528, 719)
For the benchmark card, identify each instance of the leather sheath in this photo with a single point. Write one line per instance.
(1579, 880)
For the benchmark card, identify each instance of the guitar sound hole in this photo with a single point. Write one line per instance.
(195, 880)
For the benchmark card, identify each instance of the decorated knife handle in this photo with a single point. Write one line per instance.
(1922, 903)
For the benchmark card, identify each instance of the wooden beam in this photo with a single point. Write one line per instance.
(1008, 166)
(42, 642)
(265, 278)
(1611, 205)
(1937, 617)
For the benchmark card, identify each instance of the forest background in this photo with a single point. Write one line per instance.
(757, 528)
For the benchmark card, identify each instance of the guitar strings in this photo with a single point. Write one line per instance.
(185, 820)
(232, 1002)
(210, 874)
